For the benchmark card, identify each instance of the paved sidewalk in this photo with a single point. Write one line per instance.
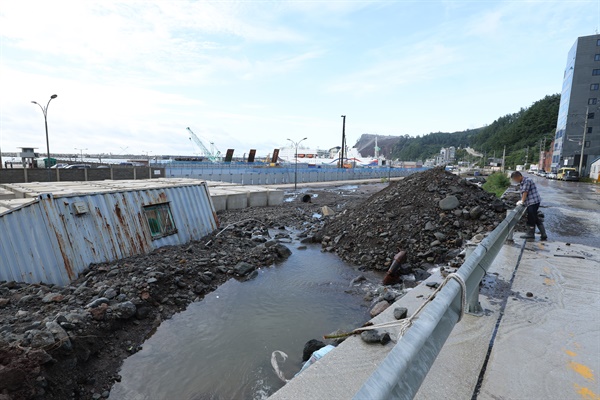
(548, 341)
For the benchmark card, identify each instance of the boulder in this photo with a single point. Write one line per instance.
(449, 203)
(243, 268)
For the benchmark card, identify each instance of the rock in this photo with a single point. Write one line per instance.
(379, 308)
(4, 302)
(433, 285)
(98, 302)
(53, 298)
(400, 312)
(42, 339)
(435, 243)
(359, 278)
(98, 313)
(389, 296)
(152, 280)
(310, 347)
(60, 335)
(449, 203)
(282, 251)
(439, 236)
(429, 226)
(385, 339)
(243, 268)
(125, 310)
(301, 247)
(529, 294)
(327, 212)
(476, 212)
(110, 293)
(371, 336)
(252, 275)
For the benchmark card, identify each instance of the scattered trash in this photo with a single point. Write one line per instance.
(326, 211)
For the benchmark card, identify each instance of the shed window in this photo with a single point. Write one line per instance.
(160, 220)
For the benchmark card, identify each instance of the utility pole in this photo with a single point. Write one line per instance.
(526, 157)
(587, 110)
(503, 157)
(343, 141)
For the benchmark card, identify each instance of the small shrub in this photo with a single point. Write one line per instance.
(496, 183)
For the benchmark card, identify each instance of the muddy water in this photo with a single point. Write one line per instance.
(220, 347)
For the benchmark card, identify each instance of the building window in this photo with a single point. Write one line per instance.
(588, 143)
(596, 72)
(598, 42)
(597, 57)
(589, 129)
(592, 101)
(590, 115)
(160, 220)
(594, 86)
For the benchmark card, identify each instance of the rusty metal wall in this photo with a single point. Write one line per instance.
(47, 242)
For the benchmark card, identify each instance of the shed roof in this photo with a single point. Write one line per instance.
(68, 189)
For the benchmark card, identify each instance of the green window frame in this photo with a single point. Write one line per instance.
(160, 220)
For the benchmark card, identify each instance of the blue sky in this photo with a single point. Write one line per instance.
(250, 74)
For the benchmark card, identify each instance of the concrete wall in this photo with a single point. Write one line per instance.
(20, 175)
(271, 176)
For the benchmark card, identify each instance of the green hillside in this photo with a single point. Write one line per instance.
(527, 127)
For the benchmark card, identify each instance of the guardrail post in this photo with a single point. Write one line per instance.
(510, 238)
(473, 304)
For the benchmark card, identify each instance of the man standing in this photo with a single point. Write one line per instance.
(531, 199)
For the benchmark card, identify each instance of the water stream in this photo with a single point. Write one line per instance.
(220, 347)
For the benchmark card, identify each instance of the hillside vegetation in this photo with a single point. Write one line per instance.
(527, 127)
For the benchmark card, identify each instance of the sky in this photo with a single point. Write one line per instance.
(130, 76)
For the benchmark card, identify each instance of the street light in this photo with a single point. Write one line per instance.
(45, 111)
(296, 144)
(81, 151)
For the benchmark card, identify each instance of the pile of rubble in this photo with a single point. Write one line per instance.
(429, 215)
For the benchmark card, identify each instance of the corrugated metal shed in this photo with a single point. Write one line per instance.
(51, 238)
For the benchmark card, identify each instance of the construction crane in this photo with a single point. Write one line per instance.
(214, 155)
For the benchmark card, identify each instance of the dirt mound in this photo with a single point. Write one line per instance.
(428, 214)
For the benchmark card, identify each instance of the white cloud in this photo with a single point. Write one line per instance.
(408, 65)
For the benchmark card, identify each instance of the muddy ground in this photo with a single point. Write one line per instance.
(69, 342)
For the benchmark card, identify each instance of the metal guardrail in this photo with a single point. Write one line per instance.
(402, 372)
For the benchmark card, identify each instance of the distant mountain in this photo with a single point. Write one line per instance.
(366, 144)
(526, 128)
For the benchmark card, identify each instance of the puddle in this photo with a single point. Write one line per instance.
(220, 347)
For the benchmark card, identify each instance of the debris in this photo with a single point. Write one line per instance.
(400, 312)
(410, 215)
(326, 211)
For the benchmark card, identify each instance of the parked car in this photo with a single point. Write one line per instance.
(551, 175)
(78, 166)
(571, 176)
(59, 166)
(542, 174)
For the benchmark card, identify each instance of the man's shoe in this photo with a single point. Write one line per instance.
(530, 234)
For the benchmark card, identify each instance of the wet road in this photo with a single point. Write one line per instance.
(572, 210)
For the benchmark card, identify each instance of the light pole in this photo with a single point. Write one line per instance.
(587, 111)
(296, 144)
(45, 111)
(81, 151)
(343, 141)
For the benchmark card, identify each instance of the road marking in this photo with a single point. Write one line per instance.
(571, 353)
(582, 370)
(586, 393)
